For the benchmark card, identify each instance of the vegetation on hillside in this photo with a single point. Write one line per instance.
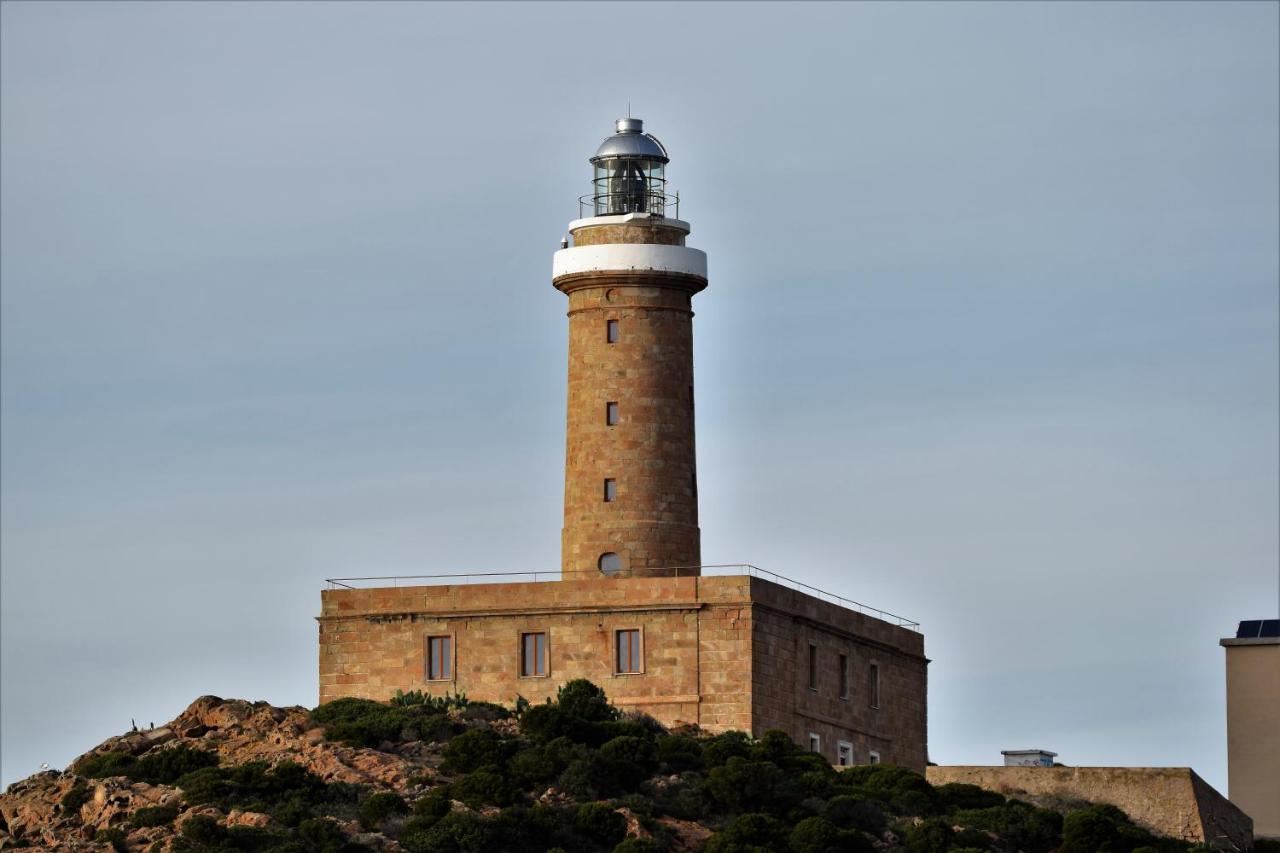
(579, 776)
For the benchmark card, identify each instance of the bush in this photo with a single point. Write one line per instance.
(683, 798)
(363, 722)
(105, 764)
(75, 797)
(437, 803)
(636, 845)
(203, 829)
(679, 753)
(114, 836)
(166, 766)
(749, 833)
(748, 786)
(851, 812)
(456, 832)
(288, 792)
(1101, 827)
(721, 748)
(631, 760)
(930, 836)
(1018, 824)
(600, 823)
(959, 795)
(153, 816)
(588, 778)
(321, 835)
(485, 787)
(472, 750)
(816, 835)
(376, 808)
(531, 767)
(582, 699)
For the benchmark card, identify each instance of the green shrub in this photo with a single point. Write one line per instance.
(456, 832)
(485, 712)
(1102, 827)
(203, 829)
(600, 823)
(114, 836)
(436, 804)
(679, 753)
(532, 766)
(749, 786)
(815, 835)
(636, 845)
(930, 836)
(587, 778)
(376, 808)
(472, 750)
(1019, 825)
(853, 812)
(485, 787)
(722, 747)
(749, 833)
(959, 795)
(105, 764)
(363, 722)
(970, 838)
(631, 760)
(288, 792)
(153, 816)
(75, 797)
(584, 700)
(683, 799)
(321, 835)
(166, 766)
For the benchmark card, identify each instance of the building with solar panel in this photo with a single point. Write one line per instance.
(1253, 723)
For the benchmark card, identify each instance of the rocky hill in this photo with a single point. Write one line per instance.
(426, 774)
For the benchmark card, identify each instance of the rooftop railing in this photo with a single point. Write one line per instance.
(619, 203)
(713, 570)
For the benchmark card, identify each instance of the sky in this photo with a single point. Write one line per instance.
(992, 338)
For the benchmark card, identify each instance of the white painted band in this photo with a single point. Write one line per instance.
(614, 257)
(637, 218)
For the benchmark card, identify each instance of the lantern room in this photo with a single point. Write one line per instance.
(629, 173)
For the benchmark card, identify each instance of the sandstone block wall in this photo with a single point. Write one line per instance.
(1171, 801)
(722, 652)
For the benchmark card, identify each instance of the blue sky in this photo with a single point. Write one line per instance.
(991, 338)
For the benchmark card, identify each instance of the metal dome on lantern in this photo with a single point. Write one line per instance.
(630, 174)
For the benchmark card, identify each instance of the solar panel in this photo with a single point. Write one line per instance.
(1249, 629)
(1270, 628)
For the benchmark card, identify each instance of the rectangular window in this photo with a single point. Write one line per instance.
(844, 754)
(873, 685)
(844, 676)
(610, 490)
(439, 658)
(611, 414)
(628, 658)
(873, 758)
(611, 331)
(815, 743)
(813, 667)
(533, 654)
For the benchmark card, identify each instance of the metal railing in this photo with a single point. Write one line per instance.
(622, 203)
(712, 570)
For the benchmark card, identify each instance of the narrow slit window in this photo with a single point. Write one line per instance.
(610, 490)
(813, 667)
(628, 642)
(611, 331)
(611, 414)
(873, 685)
(439, 658)
(533, 654)
(844, 676)
(815, 742)
(873, 758)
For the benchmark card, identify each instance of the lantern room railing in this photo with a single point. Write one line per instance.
(629, 201)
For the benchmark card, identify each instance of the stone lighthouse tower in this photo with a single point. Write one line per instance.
(630, 480)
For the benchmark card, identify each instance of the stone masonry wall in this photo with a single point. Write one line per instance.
(785, 624)
(1171, 801)
(717, 651)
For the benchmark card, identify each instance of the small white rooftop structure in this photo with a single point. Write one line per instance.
(1028, 757)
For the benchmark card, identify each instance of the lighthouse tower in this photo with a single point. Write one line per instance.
(630, 480)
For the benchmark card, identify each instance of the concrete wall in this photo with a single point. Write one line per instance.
(722, 652)
(1253, 730)
(1170, 801)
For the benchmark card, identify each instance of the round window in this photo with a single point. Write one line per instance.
(610, 563)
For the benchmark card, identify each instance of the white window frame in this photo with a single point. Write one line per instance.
(873, 757)
(815, 742)
(844, 749)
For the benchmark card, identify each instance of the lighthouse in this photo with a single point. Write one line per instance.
(632, 608)
(630, 480)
